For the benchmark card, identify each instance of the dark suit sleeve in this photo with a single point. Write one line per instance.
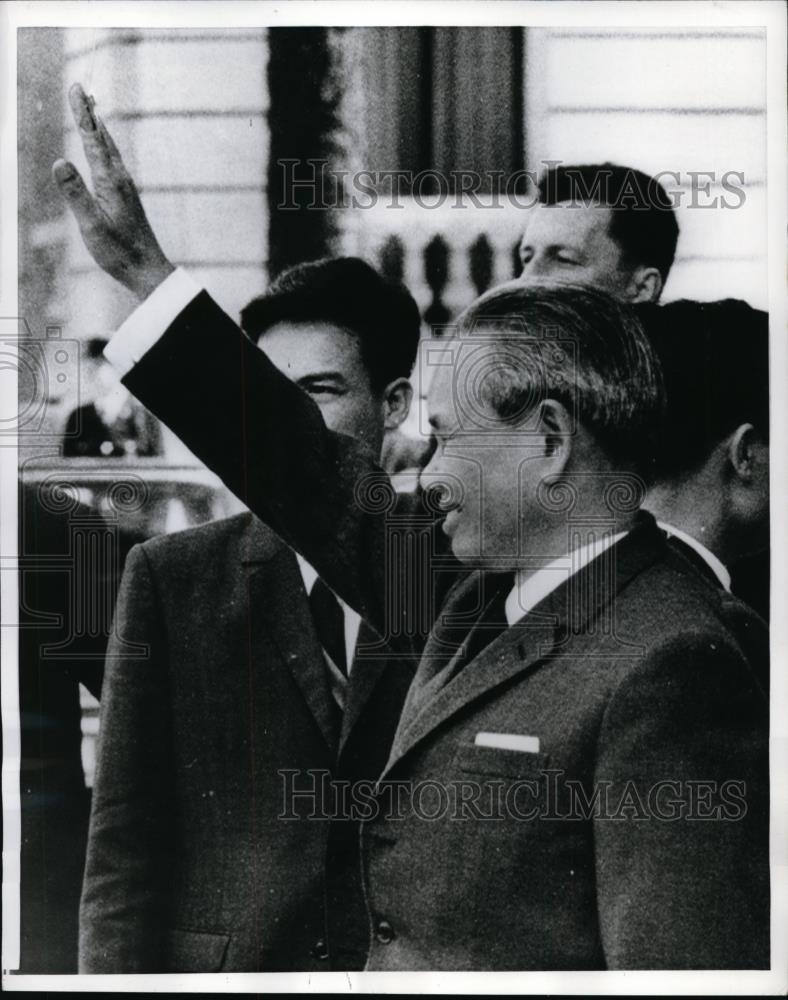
(122, 912)
(683, 868)
(267, 441)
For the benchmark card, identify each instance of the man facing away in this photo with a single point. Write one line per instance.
(711, 486)
(585, 678)
(259, 685)
(602, 225)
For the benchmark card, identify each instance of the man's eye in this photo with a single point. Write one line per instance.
(564, 259)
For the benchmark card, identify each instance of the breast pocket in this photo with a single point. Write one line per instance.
(195, 951)
(500, 763)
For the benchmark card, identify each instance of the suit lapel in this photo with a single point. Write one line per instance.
(444, 645)
(375, 663)
(364, 675)
(278, 602)
(529, 643)
(518, 650)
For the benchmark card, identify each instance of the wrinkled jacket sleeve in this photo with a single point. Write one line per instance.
(322, 492)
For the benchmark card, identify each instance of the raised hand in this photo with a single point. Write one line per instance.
(112, 220)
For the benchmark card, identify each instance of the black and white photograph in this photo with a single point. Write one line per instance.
(393, 576)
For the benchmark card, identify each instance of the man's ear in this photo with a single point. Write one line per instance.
(742, 452)
(397, 397)
(556, 426)
(645, 285)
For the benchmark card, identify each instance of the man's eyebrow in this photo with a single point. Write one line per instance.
(321, 376)
(552, 248)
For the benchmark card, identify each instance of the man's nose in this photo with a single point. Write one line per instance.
(533, 268)
(443, 491)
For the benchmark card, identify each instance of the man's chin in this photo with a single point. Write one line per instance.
(464, 549)
(467, 551)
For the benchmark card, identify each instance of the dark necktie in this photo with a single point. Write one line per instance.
(488, 626)
(329, 619)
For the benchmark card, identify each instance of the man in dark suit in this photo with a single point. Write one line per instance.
(712, 476)
(592, 715)
(259, 684)
(618, 716)
(583, 667)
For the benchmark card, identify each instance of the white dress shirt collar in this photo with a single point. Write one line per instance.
(714, 564)
(528, 591)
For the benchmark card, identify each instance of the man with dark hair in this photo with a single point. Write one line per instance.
(712, 474)
(581, 705)
(259, 685)
(351, 295)
(603, 225)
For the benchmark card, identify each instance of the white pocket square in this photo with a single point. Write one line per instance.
(508, 741)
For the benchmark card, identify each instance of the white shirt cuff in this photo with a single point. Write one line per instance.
(150, 320)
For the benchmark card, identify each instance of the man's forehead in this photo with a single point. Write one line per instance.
(568, 222)
(310, 344)
(457, 378)
(324, 329)
(439, 393)
(441, 408)
(305, 349)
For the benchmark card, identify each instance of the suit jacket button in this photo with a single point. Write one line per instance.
(320, 950)
(384, 932)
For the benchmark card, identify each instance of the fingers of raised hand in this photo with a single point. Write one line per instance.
(112, 220)
(73, 189)
(109, 144)
(100, 151)
(81, 108)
